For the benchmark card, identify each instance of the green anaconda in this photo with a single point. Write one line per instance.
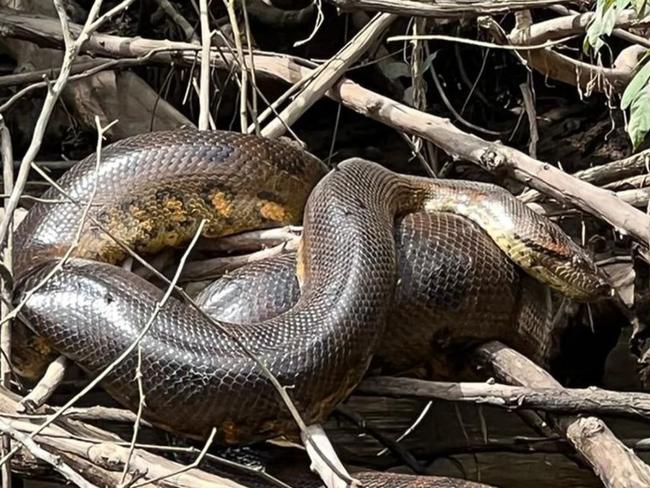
(153, 190)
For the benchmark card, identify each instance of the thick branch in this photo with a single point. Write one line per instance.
(568, 25)
(591, 400)
(615, 465)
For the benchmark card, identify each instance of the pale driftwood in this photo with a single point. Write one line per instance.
(572, 24)
(637, 198)
(617, 32)
(111, 457)
(252, 240)
(40, 453)
(333, 474)
(442, 8)
(564, 68)
(615, 465)
(631, 183)
(204, 90)
(6, 155)
(566, 400)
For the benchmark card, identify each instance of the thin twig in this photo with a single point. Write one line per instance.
(84, 216)
(100, 377)
(251, 58)
(6, 154)
(193, 465)
(473, 42)
(204, 92)
(181, 21)
(138, 415)
(612, 462)
(243, 86)
(324, 460)
(92, 70)
(529, 105)
(552, 399)
(215, 267)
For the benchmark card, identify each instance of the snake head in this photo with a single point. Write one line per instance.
(578, 277)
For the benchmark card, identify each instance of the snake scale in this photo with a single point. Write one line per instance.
(151, 191)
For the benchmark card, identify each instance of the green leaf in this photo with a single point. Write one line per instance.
(596, 28)
(639, 7)
(637, 84)
(639, 124)
(592, 37)
(603, 22)
(609, 22)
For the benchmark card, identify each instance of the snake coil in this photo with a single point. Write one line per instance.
(151, 191)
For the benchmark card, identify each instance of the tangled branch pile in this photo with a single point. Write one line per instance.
(548, 98)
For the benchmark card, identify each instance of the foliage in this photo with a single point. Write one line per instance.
(636, 97)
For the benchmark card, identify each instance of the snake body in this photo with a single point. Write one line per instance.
(455, 289)
(153, 190)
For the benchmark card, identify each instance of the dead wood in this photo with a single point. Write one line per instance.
(566, 400)
(493, 156)
(564, 68)
(326, 75)
(89, 449)
(590, 436)
(616, 465)
(615, 170)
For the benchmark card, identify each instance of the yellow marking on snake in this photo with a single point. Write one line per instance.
(230, 431)
(173, 205)
(273, 211)
(221, 204)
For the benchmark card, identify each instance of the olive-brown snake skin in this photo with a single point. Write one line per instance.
(152, 191)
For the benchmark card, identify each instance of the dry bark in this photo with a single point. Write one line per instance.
(564, 68)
